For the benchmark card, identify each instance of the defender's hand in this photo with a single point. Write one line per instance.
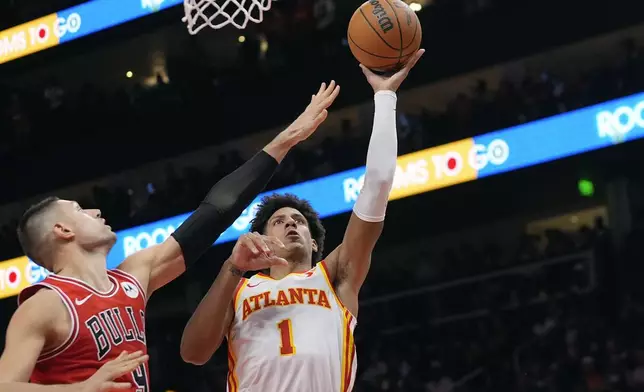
(314, 114)
(254, 252)
(103, 379)
(391, 82)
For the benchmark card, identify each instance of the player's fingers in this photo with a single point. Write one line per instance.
(247, 242)
(122, 369)
(128, 367)
(115, 385)
(331, 98)
(274, 241)
(124, 358)
(321, 90)
(323, 93)
(134, 355)
(275, 261)
(412, 62)
(122, 355)
(366, 71)
(139, 359)
(260, 243)
(116, 361)
(330, 88)
(319, 119)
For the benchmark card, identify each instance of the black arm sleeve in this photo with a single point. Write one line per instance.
(223, 204)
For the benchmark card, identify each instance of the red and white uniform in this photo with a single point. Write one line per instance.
(292, 334)
(102, 326)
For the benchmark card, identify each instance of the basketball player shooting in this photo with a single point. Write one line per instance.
(82, 328)
(292, 330)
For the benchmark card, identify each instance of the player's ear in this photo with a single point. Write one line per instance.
(314, 245)
(63, 232)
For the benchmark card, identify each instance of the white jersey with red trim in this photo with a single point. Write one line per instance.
(292, 334)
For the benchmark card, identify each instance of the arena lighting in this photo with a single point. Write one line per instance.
(510, 149)
(586, 188)
(73, 23)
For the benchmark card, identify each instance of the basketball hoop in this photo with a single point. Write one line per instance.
(219, 13)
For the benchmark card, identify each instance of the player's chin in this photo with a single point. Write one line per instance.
(292, 239)
(294, 244)
(111, 236)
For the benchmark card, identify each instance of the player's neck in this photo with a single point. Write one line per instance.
(281, 272)
(87, 267)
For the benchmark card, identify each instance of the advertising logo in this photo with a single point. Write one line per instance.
(73, 23)
(143, 240)
(69, 25)
(16, 274)
(496, 153)
(616, 124)
(433, 168)
(28, 38)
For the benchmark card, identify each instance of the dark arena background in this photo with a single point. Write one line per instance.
(512, 256)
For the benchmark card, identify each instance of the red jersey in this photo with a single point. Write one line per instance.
(102, 326)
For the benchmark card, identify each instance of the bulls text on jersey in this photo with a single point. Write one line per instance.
(111, 327)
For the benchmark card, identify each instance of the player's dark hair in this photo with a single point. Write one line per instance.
(30, 229)
(272, 203)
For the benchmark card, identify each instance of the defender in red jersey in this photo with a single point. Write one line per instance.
(70, 329)
(103, 324)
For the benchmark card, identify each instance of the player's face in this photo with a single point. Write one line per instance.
(290, 227)
(86, 225)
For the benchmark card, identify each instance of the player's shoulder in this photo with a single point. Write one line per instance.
(42, 306)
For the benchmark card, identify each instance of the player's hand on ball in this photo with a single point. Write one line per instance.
(314, 114)
(103, 379)
(254, 252)
(391, 82)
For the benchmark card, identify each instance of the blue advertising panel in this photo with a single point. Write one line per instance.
(576, 132)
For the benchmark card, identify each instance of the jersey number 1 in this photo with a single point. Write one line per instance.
(286, 335)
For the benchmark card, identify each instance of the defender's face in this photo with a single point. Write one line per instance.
(289, 226)
(86, 225)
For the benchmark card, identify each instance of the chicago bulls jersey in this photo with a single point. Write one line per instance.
(292, 334)
(102, 326)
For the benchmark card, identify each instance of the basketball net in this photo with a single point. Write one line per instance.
(219, 13)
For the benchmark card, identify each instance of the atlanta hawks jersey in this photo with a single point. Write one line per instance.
(103, 324)
(292, 334)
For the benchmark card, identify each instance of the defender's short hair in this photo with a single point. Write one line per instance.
(272, 203)
(31, 229)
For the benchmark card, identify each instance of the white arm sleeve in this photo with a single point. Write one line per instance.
(371, 204)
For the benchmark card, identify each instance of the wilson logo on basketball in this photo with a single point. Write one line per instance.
(383, 19)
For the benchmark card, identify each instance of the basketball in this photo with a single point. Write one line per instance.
(384, 34)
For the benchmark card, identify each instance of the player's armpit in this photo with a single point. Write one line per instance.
(349, 263)
(26, 337)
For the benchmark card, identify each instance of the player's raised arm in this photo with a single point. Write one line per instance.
(211, 320)
(349, 263)
(160, 264)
